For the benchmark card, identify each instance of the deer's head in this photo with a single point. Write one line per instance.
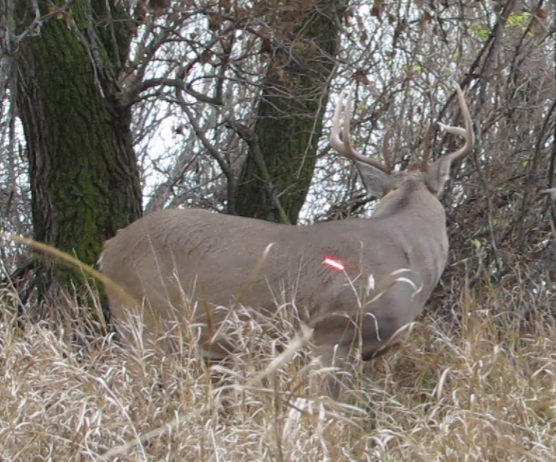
(379, 178)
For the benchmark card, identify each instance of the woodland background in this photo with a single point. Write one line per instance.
(114, 109)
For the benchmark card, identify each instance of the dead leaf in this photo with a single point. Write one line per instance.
(215, 21)
(377, 8)
(361, 77)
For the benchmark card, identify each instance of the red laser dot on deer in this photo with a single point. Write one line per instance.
(333, 263)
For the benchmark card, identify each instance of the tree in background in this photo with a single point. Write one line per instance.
(82, 167)
(228, 98)
(276, 175)
(76, 88)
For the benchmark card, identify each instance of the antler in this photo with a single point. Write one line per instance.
(344, 147)
(466, 133)
(386, 154)
(426, 148)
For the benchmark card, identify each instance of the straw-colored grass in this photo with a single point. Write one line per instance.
(481, 388)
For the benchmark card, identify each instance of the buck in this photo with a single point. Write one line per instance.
(355, 282)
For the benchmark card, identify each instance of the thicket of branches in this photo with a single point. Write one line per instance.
(198, 68)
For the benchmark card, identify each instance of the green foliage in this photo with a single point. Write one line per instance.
(520, 20)
(482, 31)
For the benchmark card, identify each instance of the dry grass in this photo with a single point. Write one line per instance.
(482, 390)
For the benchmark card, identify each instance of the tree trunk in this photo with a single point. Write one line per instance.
(82, 167)
(279, 166)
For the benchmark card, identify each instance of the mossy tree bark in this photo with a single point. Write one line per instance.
(277, 172)
(82, 167)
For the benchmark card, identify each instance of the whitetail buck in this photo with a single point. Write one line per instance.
(356, 282)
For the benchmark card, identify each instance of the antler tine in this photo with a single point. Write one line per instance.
(426, 148)
(549, 192)
(344, 146)
(466, 133)
(386, 153)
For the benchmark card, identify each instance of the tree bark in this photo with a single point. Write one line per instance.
(82, 167)
(277, 172)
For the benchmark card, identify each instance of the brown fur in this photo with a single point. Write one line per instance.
(209, 257)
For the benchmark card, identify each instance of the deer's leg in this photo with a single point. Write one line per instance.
(338, 380)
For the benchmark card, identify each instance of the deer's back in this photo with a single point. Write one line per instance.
(321, 269)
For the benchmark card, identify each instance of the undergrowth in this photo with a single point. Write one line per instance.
(480, 386)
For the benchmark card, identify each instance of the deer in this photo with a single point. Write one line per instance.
(357, 283)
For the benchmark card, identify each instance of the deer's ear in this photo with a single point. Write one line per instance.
(438, 175)
(377, 183)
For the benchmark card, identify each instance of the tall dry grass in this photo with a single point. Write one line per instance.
(479, 386)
